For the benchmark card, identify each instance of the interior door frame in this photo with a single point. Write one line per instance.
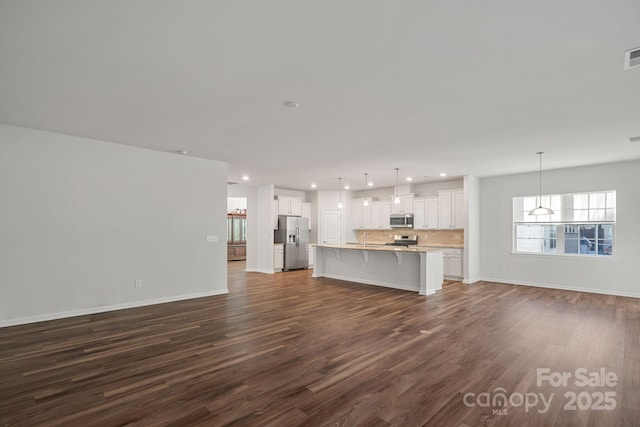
(325, 211)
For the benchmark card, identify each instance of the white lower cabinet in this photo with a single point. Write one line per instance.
(278, 257)
(453, 263)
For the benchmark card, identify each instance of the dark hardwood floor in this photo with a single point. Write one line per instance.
(287, 350)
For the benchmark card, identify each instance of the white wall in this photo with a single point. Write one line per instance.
(471, 253)
(265, 229)
(426, 189)
(290, 193)
(384, 193)
(81, 220)
(618, 275)
(430, 189)
(234, 203)
(312, 197)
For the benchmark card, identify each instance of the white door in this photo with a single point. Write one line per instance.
(332, 226)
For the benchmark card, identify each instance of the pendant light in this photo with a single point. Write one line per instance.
(365, 202)
(396, 199)
(340, 188)
(540, 210)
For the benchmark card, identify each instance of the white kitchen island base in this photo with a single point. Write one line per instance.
(411, 269)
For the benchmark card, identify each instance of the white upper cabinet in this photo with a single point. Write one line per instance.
(451, 209)
(459, 211)
(425, 212)
(361, 215)
(380, 213)
(289, 206)
(405, 205)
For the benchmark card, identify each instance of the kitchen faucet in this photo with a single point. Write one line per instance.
(364, 238)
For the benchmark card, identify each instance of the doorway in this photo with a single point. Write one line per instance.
(236, 228)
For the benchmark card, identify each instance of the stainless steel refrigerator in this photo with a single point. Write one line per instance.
(293, 231)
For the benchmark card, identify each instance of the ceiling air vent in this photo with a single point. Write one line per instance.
(231, 182)
(631, 58)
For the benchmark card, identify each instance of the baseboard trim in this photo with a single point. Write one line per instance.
(370, 282)
(106, 308)
(564, 288)
(259, 270)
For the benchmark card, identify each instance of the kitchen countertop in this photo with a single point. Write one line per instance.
(432, 246)
(382, 247)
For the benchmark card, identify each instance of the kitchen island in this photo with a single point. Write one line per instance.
(416, 269)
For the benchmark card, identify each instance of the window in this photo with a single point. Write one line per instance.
(536, 238)
(588, 239)
(582, 224)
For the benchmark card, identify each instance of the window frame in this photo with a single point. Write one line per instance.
(565, 206)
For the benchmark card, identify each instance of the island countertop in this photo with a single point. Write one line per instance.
(382, 247)
(418, 269)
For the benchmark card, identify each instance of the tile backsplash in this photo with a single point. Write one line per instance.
(440, 238)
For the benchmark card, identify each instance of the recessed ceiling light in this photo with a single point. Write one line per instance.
(409, 178)
(313, 185)
(370, 184)
(346, 187)
(245, 178)
(291, 104)
(443, 174)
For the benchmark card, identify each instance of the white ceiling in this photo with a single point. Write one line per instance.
(427, 86)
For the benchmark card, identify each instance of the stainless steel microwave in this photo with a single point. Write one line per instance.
(401, 221)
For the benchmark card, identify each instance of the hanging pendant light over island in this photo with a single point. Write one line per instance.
(396, 198)
(365, 202)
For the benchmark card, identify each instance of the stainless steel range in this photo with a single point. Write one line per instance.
(404, 240)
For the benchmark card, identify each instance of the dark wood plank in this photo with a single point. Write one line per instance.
(287, 349)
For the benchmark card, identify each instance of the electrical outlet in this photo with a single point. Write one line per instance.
(211, 239)
(138, 283)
